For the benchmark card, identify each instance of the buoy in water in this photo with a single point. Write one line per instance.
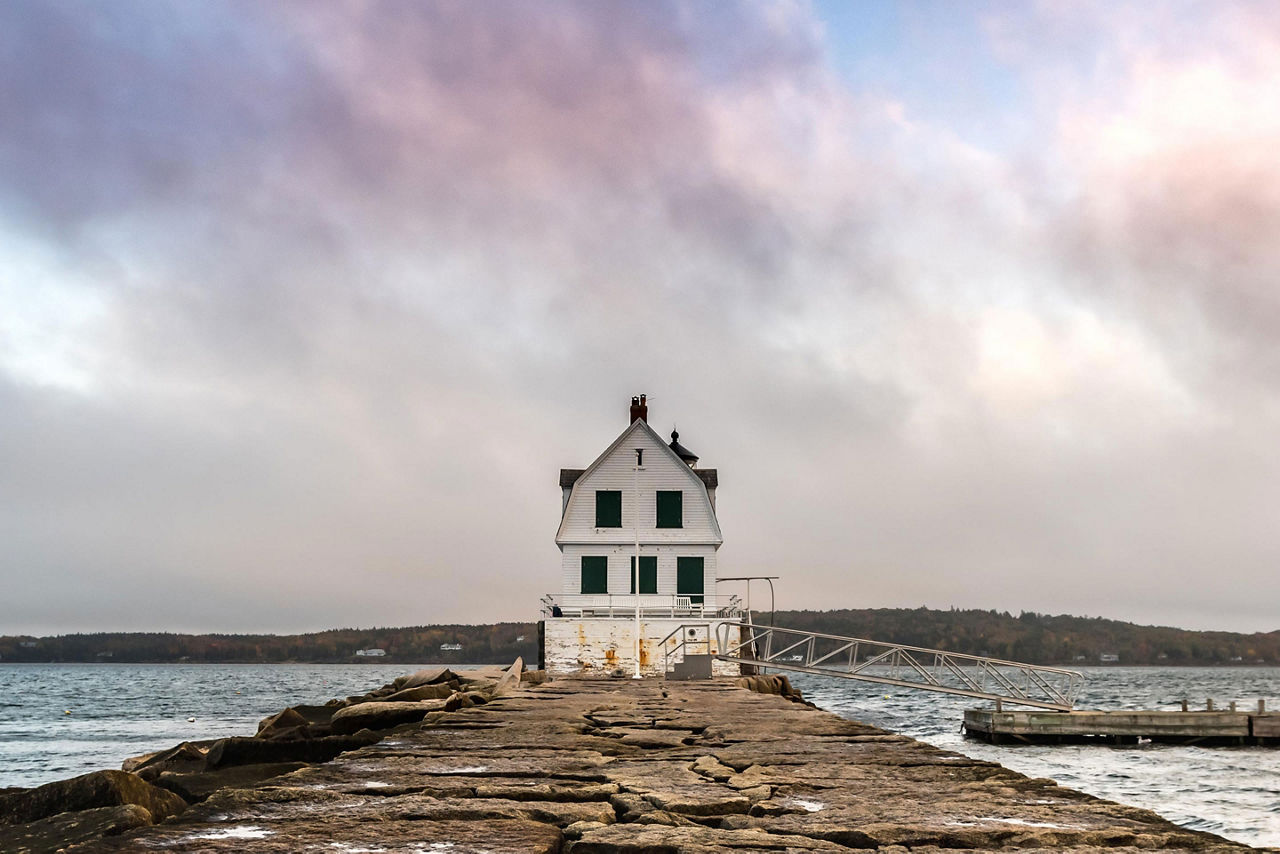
(67, 712)
(191, 720)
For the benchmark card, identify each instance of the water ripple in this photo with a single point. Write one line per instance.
(1231, 791)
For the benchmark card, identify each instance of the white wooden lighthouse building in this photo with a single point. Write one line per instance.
(643, 498)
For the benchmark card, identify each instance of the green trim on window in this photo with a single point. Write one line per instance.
(608, 508)
(595, 574)
(689, 578)
(670, 509)
(648, 574)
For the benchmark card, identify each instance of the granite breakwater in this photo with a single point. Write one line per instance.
(71, 814)
(650, 766)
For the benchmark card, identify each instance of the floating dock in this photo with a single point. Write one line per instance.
(1208, 727)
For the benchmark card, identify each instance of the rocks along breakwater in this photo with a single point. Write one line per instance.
(611, 765)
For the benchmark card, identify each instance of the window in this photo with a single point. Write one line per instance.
(595, 574)
(608, 508)
(648, 574)
(689, 578)
(670, 509)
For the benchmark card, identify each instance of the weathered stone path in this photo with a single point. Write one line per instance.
(618, 766)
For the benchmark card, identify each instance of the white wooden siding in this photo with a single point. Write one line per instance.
(620, 565)
(662, 470)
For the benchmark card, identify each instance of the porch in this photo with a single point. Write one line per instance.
(651, 605)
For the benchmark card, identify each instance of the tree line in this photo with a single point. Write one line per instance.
(1039, 638)
(1029, 637)
(494, 643)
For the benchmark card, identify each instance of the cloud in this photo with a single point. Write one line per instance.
(305, 305)
(1176, 196)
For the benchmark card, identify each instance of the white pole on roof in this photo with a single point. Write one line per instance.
(635, 568)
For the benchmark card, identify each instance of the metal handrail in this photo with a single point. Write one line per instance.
(685, 640)
(975, 676)
(651, 604)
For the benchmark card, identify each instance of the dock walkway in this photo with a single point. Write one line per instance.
(1208, 727)
(594, 767)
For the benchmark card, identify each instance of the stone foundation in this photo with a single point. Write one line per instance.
(604, 645)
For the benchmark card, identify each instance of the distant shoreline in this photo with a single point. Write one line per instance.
(379, 663)
(1060, 641)
(473, 664)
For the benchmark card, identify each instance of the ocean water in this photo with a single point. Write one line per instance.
(1231, 791)
(122, 710)
(60, 720)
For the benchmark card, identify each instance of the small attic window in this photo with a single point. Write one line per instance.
(608, 508)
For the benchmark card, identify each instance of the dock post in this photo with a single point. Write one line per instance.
(1184, 705)
(999, 706)
(1209, 704)
(1232, 707)
(1262, 706)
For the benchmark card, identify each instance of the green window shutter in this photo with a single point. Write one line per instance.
(648, 574)
(608, 508)
(689, 578)
(670, 509)
(595, 574)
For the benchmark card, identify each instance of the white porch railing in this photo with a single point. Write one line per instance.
(651, 605)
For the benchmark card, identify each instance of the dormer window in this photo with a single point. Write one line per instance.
(670, 509)
(609, 508)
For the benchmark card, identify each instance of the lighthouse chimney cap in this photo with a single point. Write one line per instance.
(639, 409)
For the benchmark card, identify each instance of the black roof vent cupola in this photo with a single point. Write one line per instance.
(681, 451)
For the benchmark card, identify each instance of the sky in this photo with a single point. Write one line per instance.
(304, 305)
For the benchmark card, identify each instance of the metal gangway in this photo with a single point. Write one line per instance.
(895, 664)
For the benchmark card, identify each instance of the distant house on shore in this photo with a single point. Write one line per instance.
(370, 653)
(451, 647)
(638, 535)
(1109, 658)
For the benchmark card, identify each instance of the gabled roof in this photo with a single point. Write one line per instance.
(663, 448)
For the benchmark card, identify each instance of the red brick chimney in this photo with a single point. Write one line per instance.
(639, 409)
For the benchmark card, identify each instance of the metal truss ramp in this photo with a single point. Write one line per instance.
(895, 664)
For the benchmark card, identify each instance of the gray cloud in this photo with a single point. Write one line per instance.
(350, 282)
